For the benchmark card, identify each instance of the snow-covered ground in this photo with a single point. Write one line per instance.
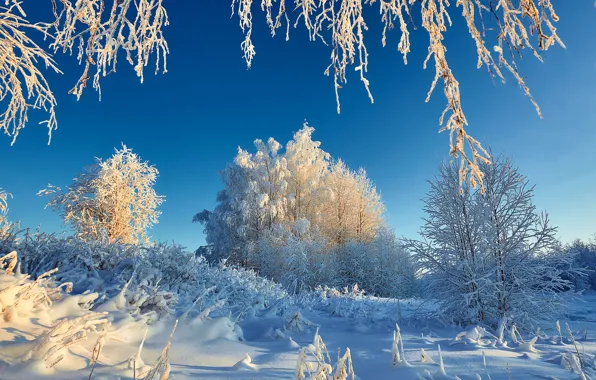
(42, 328)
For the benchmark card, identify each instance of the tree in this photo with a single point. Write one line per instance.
(271, 189)
(585, 256)
(354, 210)
(113, 198)
(490, 257)
(309, 165)
(4, 224)
(103, 29)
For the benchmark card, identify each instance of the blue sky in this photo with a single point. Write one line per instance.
(190, 121)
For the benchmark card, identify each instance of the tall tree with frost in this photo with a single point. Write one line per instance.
(114, 198)
(309, 165)
(490, 256)
(353, 210)
(450, 252)
(342, 185)
(272, 189)
(369, 207)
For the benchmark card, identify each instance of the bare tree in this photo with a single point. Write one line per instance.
(113, 198)
(491, 256)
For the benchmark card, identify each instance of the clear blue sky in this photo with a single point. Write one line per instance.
(190, 121)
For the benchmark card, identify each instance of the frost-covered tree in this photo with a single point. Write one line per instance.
(253, 201)
(342, 185)
(450, 252)
(585, 256)
(4, 224)
(381, 266)
(490, 256)
(296, 258)
(369, 207)
(112, 199)
(272, 189)
(303, 219)
(354, 210)
(308, 165)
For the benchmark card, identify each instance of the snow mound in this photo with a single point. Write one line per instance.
(245, 364)
(471, 337)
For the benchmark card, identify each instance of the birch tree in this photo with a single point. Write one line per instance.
(369, 208)
(102, 30)
(491, 257)
(450, 252)
(4, 224)
(274, 190)
(112, 199)
(309, 165)
(99, 31)
(342, 186)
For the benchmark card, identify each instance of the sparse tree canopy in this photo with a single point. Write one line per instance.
(113, 198)
(98, 30)
(490, 256)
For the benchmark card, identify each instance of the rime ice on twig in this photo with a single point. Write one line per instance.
(101, 31)
(341, 24)
(22, 84)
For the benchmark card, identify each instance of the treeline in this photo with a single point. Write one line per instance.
(305, 219)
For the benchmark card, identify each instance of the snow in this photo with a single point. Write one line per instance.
(268, 344)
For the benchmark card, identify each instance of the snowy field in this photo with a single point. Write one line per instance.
(48, 334)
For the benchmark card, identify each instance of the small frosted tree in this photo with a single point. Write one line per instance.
(490, 257)
(112, 199)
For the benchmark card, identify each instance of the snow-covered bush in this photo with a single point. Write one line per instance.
(26, 302)
(7, 229)
(585, 256)
(490, 256)
(353, 302)
(163, 278)
(381, 267)
(297, 261)
(314, 361)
